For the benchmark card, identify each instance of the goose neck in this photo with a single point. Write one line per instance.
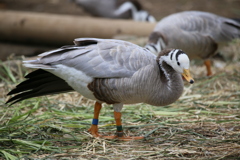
(170, 85)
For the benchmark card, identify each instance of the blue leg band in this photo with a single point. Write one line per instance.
(95, 121)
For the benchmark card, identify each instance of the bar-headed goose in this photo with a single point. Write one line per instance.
(119, 9)
(200, 34)
(108, 71)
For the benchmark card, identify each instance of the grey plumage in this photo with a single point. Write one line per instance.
(111, 71)
(199, 34)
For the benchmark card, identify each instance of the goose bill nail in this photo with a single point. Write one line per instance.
(187, 76)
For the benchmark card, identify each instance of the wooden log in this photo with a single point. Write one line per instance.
(12, 49)
(55, 29)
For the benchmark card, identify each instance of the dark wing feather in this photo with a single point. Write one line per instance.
(38, 83)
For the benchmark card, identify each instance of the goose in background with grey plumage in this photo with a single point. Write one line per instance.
(108, 71)
(199, 34)
(117, 9)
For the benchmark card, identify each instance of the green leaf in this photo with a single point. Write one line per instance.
(8, 156)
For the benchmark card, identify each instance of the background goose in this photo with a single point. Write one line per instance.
(199, 34)
(121, 9)
(111, 71)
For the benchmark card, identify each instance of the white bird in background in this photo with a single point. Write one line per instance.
(199, 34)
(118, 9)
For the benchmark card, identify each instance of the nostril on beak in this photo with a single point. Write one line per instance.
(191, 81)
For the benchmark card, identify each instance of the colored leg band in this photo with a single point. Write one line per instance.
(119, 128)
(95, 121)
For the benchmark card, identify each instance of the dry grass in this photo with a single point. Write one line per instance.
(203, 124)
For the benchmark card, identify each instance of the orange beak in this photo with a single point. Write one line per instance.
(187, 76)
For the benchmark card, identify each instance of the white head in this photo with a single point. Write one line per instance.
(179, 61)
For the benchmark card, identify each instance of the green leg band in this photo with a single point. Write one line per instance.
(119, 129)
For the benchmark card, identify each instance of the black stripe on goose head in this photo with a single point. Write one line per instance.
(172, 54)
(165, 52)
(177, 55)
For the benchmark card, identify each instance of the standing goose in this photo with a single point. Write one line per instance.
(107, 71)
(198, 33)
(119, 9)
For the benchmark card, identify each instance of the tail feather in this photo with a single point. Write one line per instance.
(28, 65)
(236, 19)
(38, 83)
(235, 27)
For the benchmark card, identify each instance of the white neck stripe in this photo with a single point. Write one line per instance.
(169, 82)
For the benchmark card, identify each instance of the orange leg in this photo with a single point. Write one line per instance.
(119, 133)
(94, 127)
(208, 66)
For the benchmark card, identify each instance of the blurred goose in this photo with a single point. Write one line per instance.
(108, 71)
(200, 34)
(119, 9)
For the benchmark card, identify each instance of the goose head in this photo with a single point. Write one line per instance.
(179, 61)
